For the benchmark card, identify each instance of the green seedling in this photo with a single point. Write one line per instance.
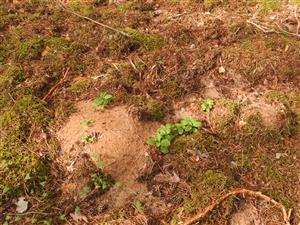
(85, 191)
(98, 161)
(208, 105)
(165, 134)
(87, 139)
(104, 99)
(62, 217)
(100, 181)
(139, 205)
(77, 210)
(87, 123)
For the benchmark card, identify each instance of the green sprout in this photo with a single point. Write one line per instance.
(165, 134)
(87, 139)
(208, 105)
(104, 99)
(87, 123)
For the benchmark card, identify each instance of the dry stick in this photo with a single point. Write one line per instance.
(50, 92)
(201, 215)
(266, 29)
(262, 28)
(94, 21)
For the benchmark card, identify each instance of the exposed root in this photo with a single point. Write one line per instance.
(286, 214)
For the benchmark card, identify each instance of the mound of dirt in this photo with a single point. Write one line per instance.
(119, 142)
(271, 114)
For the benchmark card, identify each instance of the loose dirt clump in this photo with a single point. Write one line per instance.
(118, 146)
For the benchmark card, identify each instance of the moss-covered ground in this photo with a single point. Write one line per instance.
(169, 53)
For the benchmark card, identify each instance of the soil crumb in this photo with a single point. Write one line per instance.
(116, 141)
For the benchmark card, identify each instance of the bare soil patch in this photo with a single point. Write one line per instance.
(120, 142)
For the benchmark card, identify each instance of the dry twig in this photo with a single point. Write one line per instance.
(267, 29)
(50, 92)
(94, 21)
(202, 214)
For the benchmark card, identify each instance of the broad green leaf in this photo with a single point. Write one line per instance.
(165, 143)
(151, 141)
(164, 150)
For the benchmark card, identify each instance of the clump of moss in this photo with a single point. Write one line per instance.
(252, 134)
(172, 88)
(156, 111)
(80, 86)
(11, 76)
(145, 109)
(279, 96)
(81, 7)
(18, 162)
(210, 4)
(147, 42)
(30, 49)
(206, 186)
(120, 45)
(270, 5)
(224, 115)
(18, 165)
(277, 175)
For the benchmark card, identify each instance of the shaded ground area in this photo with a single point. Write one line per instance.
(74, 163)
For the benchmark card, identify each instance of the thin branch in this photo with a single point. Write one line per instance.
(90, 19)
(261, 27)
(202, 214)
(50, 92)
(266, 29)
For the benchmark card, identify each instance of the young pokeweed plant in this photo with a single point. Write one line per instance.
(104, 99)
(166, 133)
(208, 105)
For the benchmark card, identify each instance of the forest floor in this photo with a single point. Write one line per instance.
(84, 85)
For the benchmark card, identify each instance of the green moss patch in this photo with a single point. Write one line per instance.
(30, 49)
(19, 161)
(11, 76)
(80, 86)
(148, 42)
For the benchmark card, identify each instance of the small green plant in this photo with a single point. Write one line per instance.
(87, 123)
(104, 99)
(47, 222)
(208, 105)
(77, 210)
(165, 134)
(139, 205)
(62, 217)
(98, 161)
(85, 191)
(101, 181)
(87, 139)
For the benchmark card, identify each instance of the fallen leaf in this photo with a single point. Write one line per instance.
(222, 69)
(46, 51)
(77, 217)
(22, 205)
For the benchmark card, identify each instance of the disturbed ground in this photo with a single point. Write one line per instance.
(65, 161)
